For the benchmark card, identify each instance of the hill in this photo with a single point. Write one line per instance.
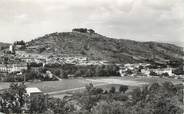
(96, 46)
(3, 46)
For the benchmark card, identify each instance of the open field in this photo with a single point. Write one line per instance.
(52, 86)
(67, 86)
(4, 85)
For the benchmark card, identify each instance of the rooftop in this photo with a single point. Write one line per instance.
(30, 90)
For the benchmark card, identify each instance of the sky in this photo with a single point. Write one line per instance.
(141, 20)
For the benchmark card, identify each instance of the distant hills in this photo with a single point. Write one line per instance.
(99, 47)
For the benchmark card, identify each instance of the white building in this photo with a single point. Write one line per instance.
(121, 71)
(164, 70)
(13, 67)
(33, 92)
(12, 48)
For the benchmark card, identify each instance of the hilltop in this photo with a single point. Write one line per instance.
(99, 47)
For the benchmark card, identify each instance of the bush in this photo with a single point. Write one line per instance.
(57, 72)
(34, 64)
(91, 31)
(38, 104)
(54, 65)
(20, 42)
(129, 72)
(179, 70)
(42, 49)
(123, 88)
(84, 71)
(82, 30)
(153, 73)
(112, 90)
(165, 74)
(13, 99)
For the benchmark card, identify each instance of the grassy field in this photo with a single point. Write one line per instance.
(66, 84)
(58, 88)
(4, 85)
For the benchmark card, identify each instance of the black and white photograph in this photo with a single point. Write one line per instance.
(91, 56)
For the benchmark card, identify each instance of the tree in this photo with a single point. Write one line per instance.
(123, 88)
(179, 70)
(6, 60)
(57, 72)
(153, 73)
(91, 31)
(140, 68)
(42, 49)
(136, 94)
(165, 74)
(88, 102)
(82, 30)
(169, 86)
(19, 42)
(112, 90)
(129, 72)
(89, 87)
(38, 104)
(154, 87)
(13, 98)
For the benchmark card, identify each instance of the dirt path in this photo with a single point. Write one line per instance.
(58, 78)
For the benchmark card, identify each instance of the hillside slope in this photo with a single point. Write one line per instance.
(3, 46)
(96, 46)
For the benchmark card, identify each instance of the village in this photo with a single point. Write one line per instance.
(18, 66)
(14, 60)
(91, 57)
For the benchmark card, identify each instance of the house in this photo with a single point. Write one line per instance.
(164, 70)
(33, 92)
(5, 68)
(28, 59)
(12, 48)
(145, 71)
(13, 67)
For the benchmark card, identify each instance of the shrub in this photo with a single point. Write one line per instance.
(123, 88)
(153, 73)
(165, 74)
(112, 90)
(179, 70)
(82, 30)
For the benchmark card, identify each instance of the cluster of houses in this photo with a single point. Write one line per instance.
(8, 68)
(131, 69)
(60, 59)
(23, 58)
(18, 62)
(143, 69)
